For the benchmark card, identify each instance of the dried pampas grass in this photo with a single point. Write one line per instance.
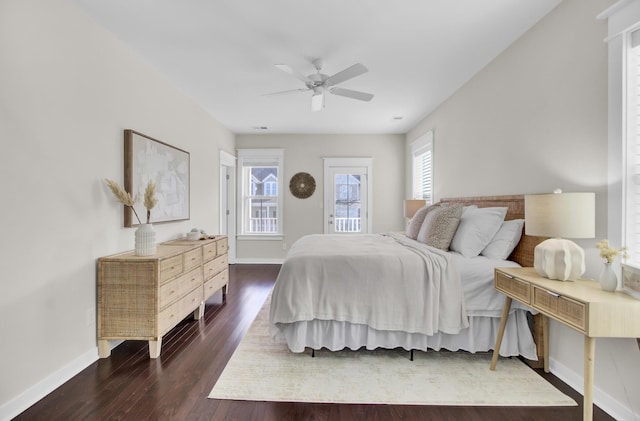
(124, 196)
(150, 198)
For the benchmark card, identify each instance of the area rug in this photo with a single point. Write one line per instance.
(262, 369)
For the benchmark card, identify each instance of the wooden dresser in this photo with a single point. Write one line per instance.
(143, 297)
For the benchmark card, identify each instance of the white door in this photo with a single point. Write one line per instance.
(347, 196)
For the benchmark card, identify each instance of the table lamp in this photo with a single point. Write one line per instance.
(559, 215)
(411, 206)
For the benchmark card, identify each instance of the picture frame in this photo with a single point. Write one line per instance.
(631, 280)
(146, 158)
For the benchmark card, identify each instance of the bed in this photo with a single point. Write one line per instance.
(391, 291)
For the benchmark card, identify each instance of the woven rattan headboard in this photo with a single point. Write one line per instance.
(523, 253)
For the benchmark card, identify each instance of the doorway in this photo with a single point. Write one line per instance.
(347, 195)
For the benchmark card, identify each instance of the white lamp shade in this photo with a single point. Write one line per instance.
(561, 215)
(411, 206)
(566, 215)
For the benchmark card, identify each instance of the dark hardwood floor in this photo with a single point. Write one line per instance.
(130, 386)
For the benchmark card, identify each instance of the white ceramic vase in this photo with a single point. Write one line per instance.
(145, 240)
(608, 279)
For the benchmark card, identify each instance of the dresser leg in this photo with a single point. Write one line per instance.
(503, 324)
(154, 348)
(199, 312)
(104, 349)
(589, 356)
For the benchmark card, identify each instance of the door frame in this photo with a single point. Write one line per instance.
(228, 203)
(348, 162)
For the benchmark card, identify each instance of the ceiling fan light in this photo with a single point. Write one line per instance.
(317, 101)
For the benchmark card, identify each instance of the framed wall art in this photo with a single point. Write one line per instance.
(631, 281)
(147, 159)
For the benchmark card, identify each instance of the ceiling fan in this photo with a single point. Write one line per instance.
(320, 83)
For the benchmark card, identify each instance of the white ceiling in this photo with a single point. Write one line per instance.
(222, 54)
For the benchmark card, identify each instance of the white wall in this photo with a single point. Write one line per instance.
(68, 89)
(535, 119)
(305, 153)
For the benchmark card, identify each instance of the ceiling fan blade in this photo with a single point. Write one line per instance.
(287, 69)
(362, 96)
(348, 73)
(290, 91)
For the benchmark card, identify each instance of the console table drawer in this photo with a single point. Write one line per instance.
(563, 308)
(513, 286)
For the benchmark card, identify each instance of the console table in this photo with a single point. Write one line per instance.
(581, 305)
(143, 297)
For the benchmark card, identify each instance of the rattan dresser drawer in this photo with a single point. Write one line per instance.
(563, 308)
(513, 287)
(170, 267)
(222, 246)
(215, 283)
(215, 266)
(192, 259)
(209, 251)
(177, 311)
(178, 287)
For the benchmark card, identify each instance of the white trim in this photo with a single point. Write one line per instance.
(600, 398)
(22, 402)
(261, 237)
(227, 167)
(259, 261)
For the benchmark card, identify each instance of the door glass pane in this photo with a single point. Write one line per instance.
(347, 203)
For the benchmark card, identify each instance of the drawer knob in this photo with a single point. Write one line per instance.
(553, 294)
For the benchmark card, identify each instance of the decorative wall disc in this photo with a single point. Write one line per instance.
(302, 185)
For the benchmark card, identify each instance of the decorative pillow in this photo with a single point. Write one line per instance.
(416, 222)
(477, 228)
(439, 226)
(505, 240)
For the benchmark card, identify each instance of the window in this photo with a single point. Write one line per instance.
(632, 176)
(422, 167)
(260, 186)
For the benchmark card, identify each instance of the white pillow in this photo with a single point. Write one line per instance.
(477, 228)
(505, 240)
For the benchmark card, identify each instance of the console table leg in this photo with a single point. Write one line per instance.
(503, 324)
(545, 342)
(154, 348)
(589, 356)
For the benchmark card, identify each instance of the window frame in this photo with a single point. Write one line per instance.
(248, 158)
(418, 148)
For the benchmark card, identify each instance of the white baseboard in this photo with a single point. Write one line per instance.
(47, 385)
(257, 261)
(608, 404)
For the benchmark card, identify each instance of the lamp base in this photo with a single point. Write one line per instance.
(559, 259)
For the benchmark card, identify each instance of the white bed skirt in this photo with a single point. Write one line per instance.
(480, 336)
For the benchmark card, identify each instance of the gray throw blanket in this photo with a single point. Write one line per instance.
(387, 282)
